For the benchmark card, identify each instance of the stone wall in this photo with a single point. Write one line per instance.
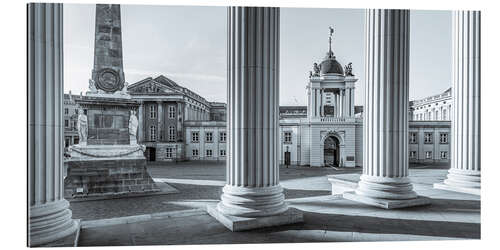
(107, 177)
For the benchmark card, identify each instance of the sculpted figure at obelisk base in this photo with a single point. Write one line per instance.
(133, 123)
(83, 127)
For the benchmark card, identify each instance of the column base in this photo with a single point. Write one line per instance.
(252, 201)
(461, 181)
(387, 203)
(238, 223)
(50, 222)
(386, 192)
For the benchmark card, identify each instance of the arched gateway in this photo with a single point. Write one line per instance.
(331, 151)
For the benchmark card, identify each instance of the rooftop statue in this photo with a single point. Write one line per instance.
(316, 69)
(92, 87)
(348, 69)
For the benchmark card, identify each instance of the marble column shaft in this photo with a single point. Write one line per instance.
(465, 172)
(385, 136)
(49, 213)
(252, 182)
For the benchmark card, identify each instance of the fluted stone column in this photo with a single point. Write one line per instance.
(352, 101)
(321, 109)
(336, 109)
(465, 172)
(384, 182)
(252, 195)
(337, 100)
(49, 214)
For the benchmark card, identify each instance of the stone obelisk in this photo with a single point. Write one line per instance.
(107, 161)
(108, 59)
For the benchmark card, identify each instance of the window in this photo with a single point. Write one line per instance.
(222, 137)
(428, 138)
(222, 152)
(437, 115)
(152, 133)
(444, 155)
(66, 123)
(209, 153)
(288, 137)
(413, 154)
(195, 136)
(152, 111)
(444, 117)
(195, 152)
(428, 154)
(443, 138)
(171, 112)
(169, 152)
(420, 117)
(66, 111)
(171, 133)
(413, 138)
(208, 137)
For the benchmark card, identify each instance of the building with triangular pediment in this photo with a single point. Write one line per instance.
(167, 111)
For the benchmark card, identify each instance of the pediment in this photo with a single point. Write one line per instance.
(151, 86)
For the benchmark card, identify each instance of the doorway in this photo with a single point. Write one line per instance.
(332, 152)
(150, 153)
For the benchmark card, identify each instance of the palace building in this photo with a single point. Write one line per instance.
(432, 108)
(176, 124)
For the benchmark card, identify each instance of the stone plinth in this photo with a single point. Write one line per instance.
(237, 223)
(88, 178)
(111, 163)
(387, 203)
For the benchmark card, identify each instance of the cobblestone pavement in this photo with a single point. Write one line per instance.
(302, 177)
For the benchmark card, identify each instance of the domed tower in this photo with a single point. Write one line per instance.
(330, 89)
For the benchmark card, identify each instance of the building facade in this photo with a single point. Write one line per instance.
(176, 124)
(432, 108)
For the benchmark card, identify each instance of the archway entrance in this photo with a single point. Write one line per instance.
(332, 151)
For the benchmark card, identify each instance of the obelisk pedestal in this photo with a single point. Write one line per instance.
(108, 162)
(253, 197)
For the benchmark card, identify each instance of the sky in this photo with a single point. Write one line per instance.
(188, 45)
